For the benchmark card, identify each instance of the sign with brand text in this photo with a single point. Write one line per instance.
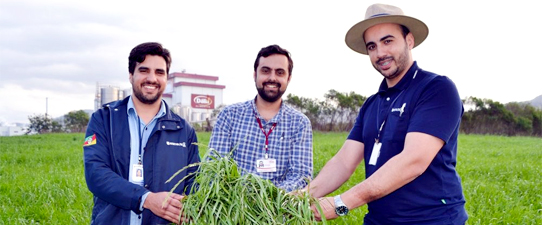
(203, 101)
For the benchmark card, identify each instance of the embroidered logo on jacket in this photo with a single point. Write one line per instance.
(400, 110)
(90, 140)
(176, 144)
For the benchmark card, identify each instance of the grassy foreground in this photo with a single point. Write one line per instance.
(42, 179)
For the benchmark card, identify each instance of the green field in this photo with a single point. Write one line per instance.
(42, 179)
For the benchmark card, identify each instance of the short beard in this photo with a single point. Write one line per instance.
(401, 65)
(267, 97)
(144, 99)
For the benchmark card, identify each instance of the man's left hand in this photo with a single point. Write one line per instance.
(327, 204)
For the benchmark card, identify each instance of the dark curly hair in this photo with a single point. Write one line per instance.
(271, 50)
(138, 54)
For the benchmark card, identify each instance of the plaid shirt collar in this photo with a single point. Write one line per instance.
(275, 119)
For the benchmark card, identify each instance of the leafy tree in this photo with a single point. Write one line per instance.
(336, 113)
(310, 107)
(76, 121)
(43, 124)
(56, 127)
(342, 108)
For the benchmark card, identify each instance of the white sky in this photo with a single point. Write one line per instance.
(59, 49)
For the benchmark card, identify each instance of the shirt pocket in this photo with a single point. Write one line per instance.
(282, 150)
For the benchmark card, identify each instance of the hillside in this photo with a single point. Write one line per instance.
(537, 102)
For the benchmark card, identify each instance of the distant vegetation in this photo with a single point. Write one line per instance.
(511, 119)
(338, 111)
(73, 122)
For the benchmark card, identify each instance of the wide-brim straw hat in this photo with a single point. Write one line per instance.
(381, 13)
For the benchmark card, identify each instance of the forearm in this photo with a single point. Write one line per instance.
(329, 178)
(391, 176)
(111, 187)
(420, 149)
(107, 184)
(337, 170)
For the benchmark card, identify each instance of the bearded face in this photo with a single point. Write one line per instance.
(272, 77)
(149, 79)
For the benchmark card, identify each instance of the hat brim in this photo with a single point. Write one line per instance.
(354, 37)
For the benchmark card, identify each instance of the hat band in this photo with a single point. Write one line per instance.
(381, 14)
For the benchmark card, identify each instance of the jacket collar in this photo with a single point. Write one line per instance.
(169, 121)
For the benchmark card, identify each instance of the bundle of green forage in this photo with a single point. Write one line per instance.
(225, 197)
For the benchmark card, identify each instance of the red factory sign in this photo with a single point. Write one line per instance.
(203, 101)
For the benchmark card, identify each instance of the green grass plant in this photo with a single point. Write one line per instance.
(225, 196)
(42, 179)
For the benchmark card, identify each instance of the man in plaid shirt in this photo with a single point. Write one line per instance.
(265, 136)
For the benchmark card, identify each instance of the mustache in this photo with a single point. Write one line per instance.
(270, 82)
(151, 83)
(385, 58)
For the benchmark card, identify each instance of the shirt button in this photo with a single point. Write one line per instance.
(146, 185)
(388, 98)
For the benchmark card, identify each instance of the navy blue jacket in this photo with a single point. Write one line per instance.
(107, 163)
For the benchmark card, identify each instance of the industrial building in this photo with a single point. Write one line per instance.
(109, 93)
(17, 130)
(191, 96)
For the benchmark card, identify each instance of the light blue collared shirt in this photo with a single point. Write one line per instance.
(138, 129)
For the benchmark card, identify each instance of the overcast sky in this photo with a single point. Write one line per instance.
(60, 49)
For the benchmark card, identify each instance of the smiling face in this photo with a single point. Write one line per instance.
(389, 50)
(272, 77)
(149, 79)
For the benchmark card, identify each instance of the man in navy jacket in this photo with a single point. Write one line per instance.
(139, 133)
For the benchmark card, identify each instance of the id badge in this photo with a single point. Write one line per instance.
(375, 153)
(137, 173)
(266, 165)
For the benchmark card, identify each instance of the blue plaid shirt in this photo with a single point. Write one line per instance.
(290, 143)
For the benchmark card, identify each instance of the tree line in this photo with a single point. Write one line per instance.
(510, 119)
(338, 112)
(74, 122)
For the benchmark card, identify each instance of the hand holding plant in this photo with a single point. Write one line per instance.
(166, 205)
(226, 197)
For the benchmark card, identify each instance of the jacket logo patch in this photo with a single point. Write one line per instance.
(90, 140)
(176, 144)
(400, 110)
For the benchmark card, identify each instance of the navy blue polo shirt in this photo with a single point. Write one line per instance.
(421, 102)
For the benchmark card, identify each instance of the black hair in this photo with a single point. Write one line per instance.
(138, 54)
(404, 30)
(271, 50)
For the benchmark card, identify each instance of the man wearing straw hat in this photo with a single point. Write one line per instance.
(406, 134)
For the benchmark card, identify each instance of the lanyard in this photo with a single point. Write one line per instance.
(139, 131)
(265, 134)
(377, 139)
